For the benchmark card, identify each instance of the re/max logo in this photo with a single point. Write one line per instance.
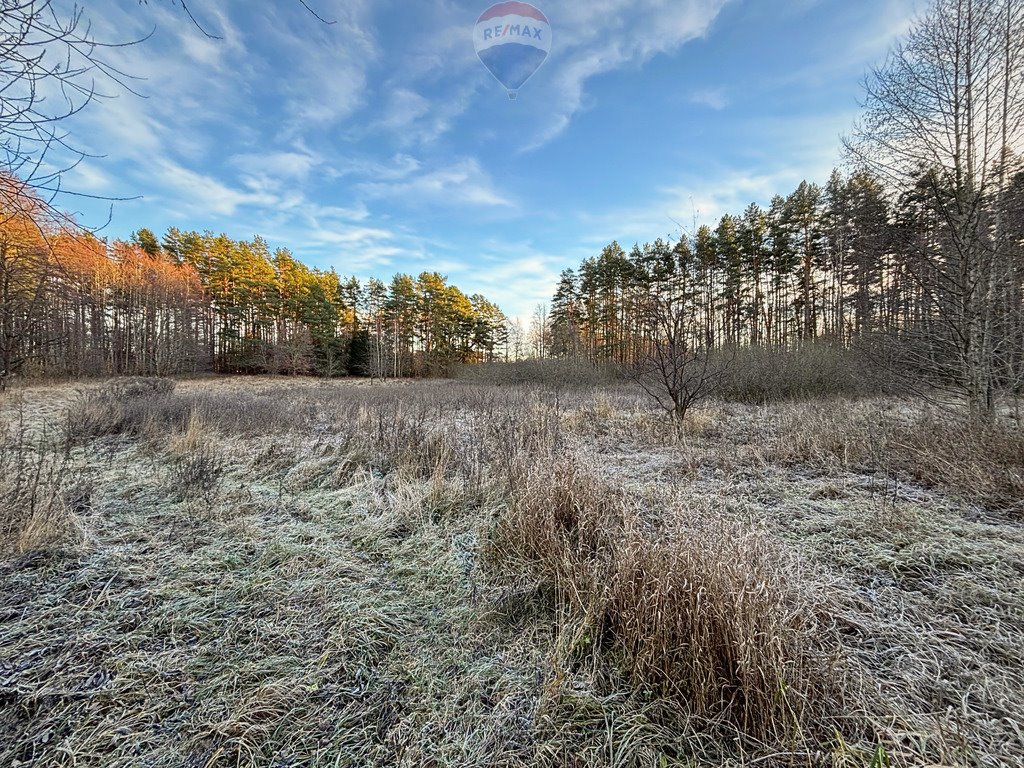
(513, 30)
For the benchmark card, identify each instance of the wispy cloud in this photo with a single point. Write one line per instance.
(277, 166)
(713, 98)
(516, 274)
(201, 193)
(598, 37)
(872, 31)
(459, 182)
(319, 71)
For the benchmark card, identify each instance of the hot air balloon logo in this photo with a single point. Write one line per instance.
(512, 40)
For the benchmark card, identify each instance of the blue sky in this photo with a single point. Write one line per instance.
(380, 144)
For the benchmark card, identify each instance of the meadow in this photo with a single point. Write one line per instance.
(295, 572)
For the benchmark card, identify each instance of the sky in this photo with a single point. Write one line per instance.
(378, 143)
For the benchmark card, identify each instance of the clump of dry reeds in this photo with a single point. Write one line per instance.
(706, 609)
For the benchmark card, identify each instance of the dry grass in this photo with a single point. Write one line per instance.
(41, 493)
(982, 463)
(286, 573)
(688, 603)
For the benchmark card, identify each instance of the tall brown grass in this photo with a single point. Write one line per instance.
(703, 608)
(983, 463)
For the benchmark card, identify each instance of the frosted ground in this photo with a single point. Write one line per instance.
(280, 573)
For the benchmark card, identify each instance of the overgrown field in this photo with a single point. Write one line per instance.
(260, 572)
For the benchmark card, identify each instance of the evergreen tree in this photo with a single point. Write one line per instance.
(566, 318)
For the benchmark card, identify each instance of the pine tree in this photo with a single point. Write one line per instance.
(566, 319)
(753, 242)
(803, 212)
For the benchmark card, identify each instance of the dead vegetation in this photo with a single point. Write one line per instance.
(983, 463)
(41, 493)
(688, 603)
(297, 573)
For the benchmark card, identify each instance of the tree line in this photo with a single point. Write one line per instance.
(843, 263)
(75, 305)
(916, 254)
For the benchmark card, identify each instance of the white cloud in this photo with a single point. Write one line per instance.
(399, 166)
(88, 180)
(404, 108)
(201, 193)
(519, 284)
(515, 275)
(597, 37)
(713, 98)
(274, 169)
(413, 119)
(459, 182)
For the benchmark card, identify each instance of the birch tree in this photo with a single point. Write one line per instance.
(943, 114)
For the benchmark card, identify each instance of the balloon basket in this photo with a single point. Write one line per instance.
(512, 95)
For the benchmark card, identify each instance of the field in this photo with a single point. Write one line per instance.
(271, 572)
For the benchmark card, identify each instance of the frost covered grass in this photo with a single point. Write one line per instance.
(289, 573)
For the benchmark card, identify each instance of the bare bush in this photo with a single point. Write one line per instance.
(553, 373)
(677, 370)
(764, 375)
(197, 474)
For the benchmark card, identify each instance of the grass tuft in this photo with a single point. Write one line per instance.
(699, 607)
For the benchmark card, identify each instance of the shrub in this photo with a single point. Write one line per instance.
(761, 375)
(558, 374)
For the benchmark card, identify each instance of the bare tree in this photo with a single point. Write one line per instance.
(25, 267)
(540, 332)
(516, 341)
(943, 114)
(676, 370)
(51, 66)
(188, 8)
